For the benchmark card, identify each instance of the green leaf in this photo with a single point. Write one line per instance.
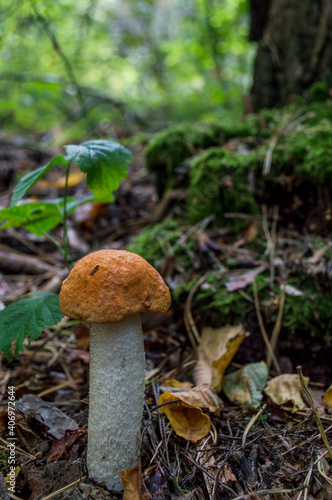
(27, 318)
(104, 162)
(38, 217)
(30, 179)
(246, 385)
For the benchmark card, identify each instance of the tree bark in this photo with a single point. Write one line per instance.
(294, 52)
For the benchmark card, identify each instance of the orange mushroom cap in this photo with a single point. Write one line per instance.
(109, 285)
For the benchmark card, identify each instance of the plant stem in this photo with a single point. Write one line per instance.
(66, 244)
(312, 406)
(52, 240)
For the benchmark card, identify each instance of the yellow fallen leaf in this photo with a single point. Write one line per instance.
(74, 179)
(217, 349)
(327, 398)
(285, 389)
(187, 421)
(133, 485)
(174, 384)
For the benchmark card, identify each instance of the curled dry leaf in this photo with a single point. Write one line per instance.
(201, 396)
(133, 485)
(186, 420)
(286, 390)
(217, 349)
(246, 385)
(327, 398)
(173, 385)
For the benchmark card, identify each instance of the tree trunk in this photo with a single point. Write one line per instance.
(294, 52)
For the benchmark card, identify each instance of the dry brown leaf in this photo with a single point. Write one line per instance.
(187, 421)
(217, 349)
(201, 396)
(285, 389)
(251, 231)
(327, 398)
(132, 484)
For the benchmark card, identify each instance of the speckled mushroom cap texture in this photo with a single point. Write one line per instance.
(110, 285)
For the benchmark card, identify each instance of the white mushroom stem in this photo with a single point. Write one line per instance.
(116, 399)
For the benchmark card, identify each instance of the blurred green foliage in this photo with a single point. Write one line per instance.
(85, 62)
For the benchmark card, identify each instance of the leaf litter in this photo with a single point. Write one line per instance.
(279, 455)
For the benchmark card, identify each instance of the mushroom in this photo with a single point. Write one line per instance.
(109, 288)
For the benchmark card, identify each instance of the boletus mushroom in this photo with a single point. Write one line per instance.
(109, 289)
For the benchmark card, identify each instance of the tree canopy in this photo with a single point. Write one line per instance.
(63, 61)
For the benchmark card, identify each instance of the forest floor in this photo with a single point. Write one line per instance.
(273, 452)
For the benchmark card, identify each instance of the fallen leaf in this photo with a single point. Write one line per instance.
(327, 398)
(54, 419)
(243, 279)
(291, 290)
(131, 484)
(285, 389)
(187, 421)
(74, 179)
(200, 396)
(176, 385)
(251, 231)
(62, 445)
(318, 255)
(217, 349)
(246, 385)
(134, 488)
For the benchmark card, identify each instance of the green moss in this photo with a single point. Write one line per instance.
(219, 183)
(303, 134)
(169, 148)
(162, 240)
(311, 312)
(308, 313)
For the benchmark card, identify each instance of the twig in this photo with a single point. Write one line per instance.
(322, 472)
(262, 328)
(312, 406)
(271, 237)
(208, 474)
(277, 326)
(271, 492)
(274, 242)
(266, 230)
(66, 244)
(251, 423)
(60, 386)
(306, 483)
(305, 442)
(187, 315)
(65, 488)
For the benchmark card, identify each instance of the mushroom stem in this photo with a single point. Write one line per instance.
(116, 399)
